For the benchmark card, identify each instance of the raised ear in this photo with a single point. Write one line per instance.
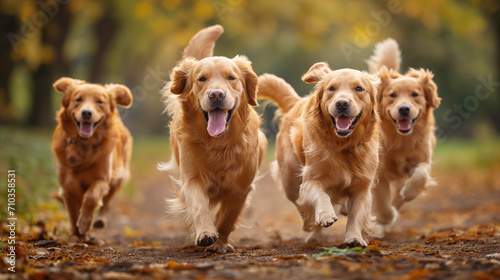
(316, 72)
(122, 94)
(66, 85)
(180, 75)
(251, 79)
(430, 88)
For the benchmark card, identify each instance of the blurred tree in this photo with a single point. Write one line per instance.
(105, 30)
(52, 61)
(492, 10)
(137, 42)
(9, 22)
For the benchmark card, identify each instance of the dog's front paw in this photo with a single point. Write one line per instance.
(326, 219)
(206, 239)
(409, 193)
(222, 247)
(83, 224)
(355, 242)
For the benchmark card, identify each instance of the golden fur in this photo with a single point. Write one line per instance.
(321, 162)
(218, 169)
(92, 149)
(406, 104)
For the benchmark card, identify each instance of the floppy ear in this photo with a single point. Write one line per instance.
(251, 79)
(430, 88)
(66, 85)
(180, 76)
(122, 94)
(316, 72)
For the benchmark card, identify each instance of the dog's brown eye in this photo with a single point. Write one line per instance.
(332, 88)
(359, 89)
(202, 79)
(230, 78)
(414, 94)
(392, 95)
(79, 100)
(99, 101)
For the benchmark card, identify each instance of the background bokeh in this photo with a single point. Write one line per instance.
(137, 42)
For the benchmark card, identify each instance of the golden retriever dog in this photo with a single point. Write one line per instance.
(92, 149)
(327, 148)
(217, 146)
(405, 103)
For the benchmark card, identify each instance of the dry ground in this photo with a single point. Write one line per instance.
(451, 232)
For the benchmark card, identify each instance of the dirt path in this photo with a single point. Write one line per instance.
(452, 232)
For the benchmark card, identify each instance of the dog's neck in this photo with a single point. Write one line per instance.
(84, 142)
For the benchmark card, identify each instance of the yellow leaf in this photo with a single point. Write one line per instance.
(143, 8)
(203, 10)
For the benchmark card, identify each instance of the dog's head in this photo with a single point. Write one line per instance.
(347, 96)
(218, 85)
(404, 98)
(90, 104)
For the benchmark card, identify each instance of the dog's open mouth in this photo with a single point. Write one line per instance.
(405, 125)
(344, 125)
(86, 129)
(217, 120)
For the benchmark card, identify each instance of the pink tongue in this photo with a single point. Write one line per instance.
(343, 122)
(85, 128)
(404, 124)
(216, 122)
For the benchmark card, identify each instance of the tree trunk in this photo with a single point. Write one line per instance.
(42, 114)
(105, 29)
(9, 23)
(495, 20)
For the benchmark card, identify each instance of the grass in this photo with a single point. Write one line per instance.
(462, 155)
(28, 152)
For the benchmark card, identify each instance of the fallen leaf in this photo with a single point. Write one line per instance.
(180, 266)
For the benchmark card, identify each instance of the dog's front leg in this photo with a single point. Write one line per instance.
(229, 211)
(91, 199)
(414, 185)
(197, 207)
(313, 195)
(359, 212)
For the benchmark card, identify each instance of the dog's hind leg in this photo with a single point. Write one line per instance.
(382, 207)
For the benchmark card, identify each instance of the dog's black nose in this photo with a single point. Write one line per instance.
(404, 110)
(216, 95)
(342, 104)
(86, 115)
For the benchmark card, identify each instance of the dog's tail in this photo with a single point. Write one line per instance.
(278, 90)
(386, 54)
(202, 44)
